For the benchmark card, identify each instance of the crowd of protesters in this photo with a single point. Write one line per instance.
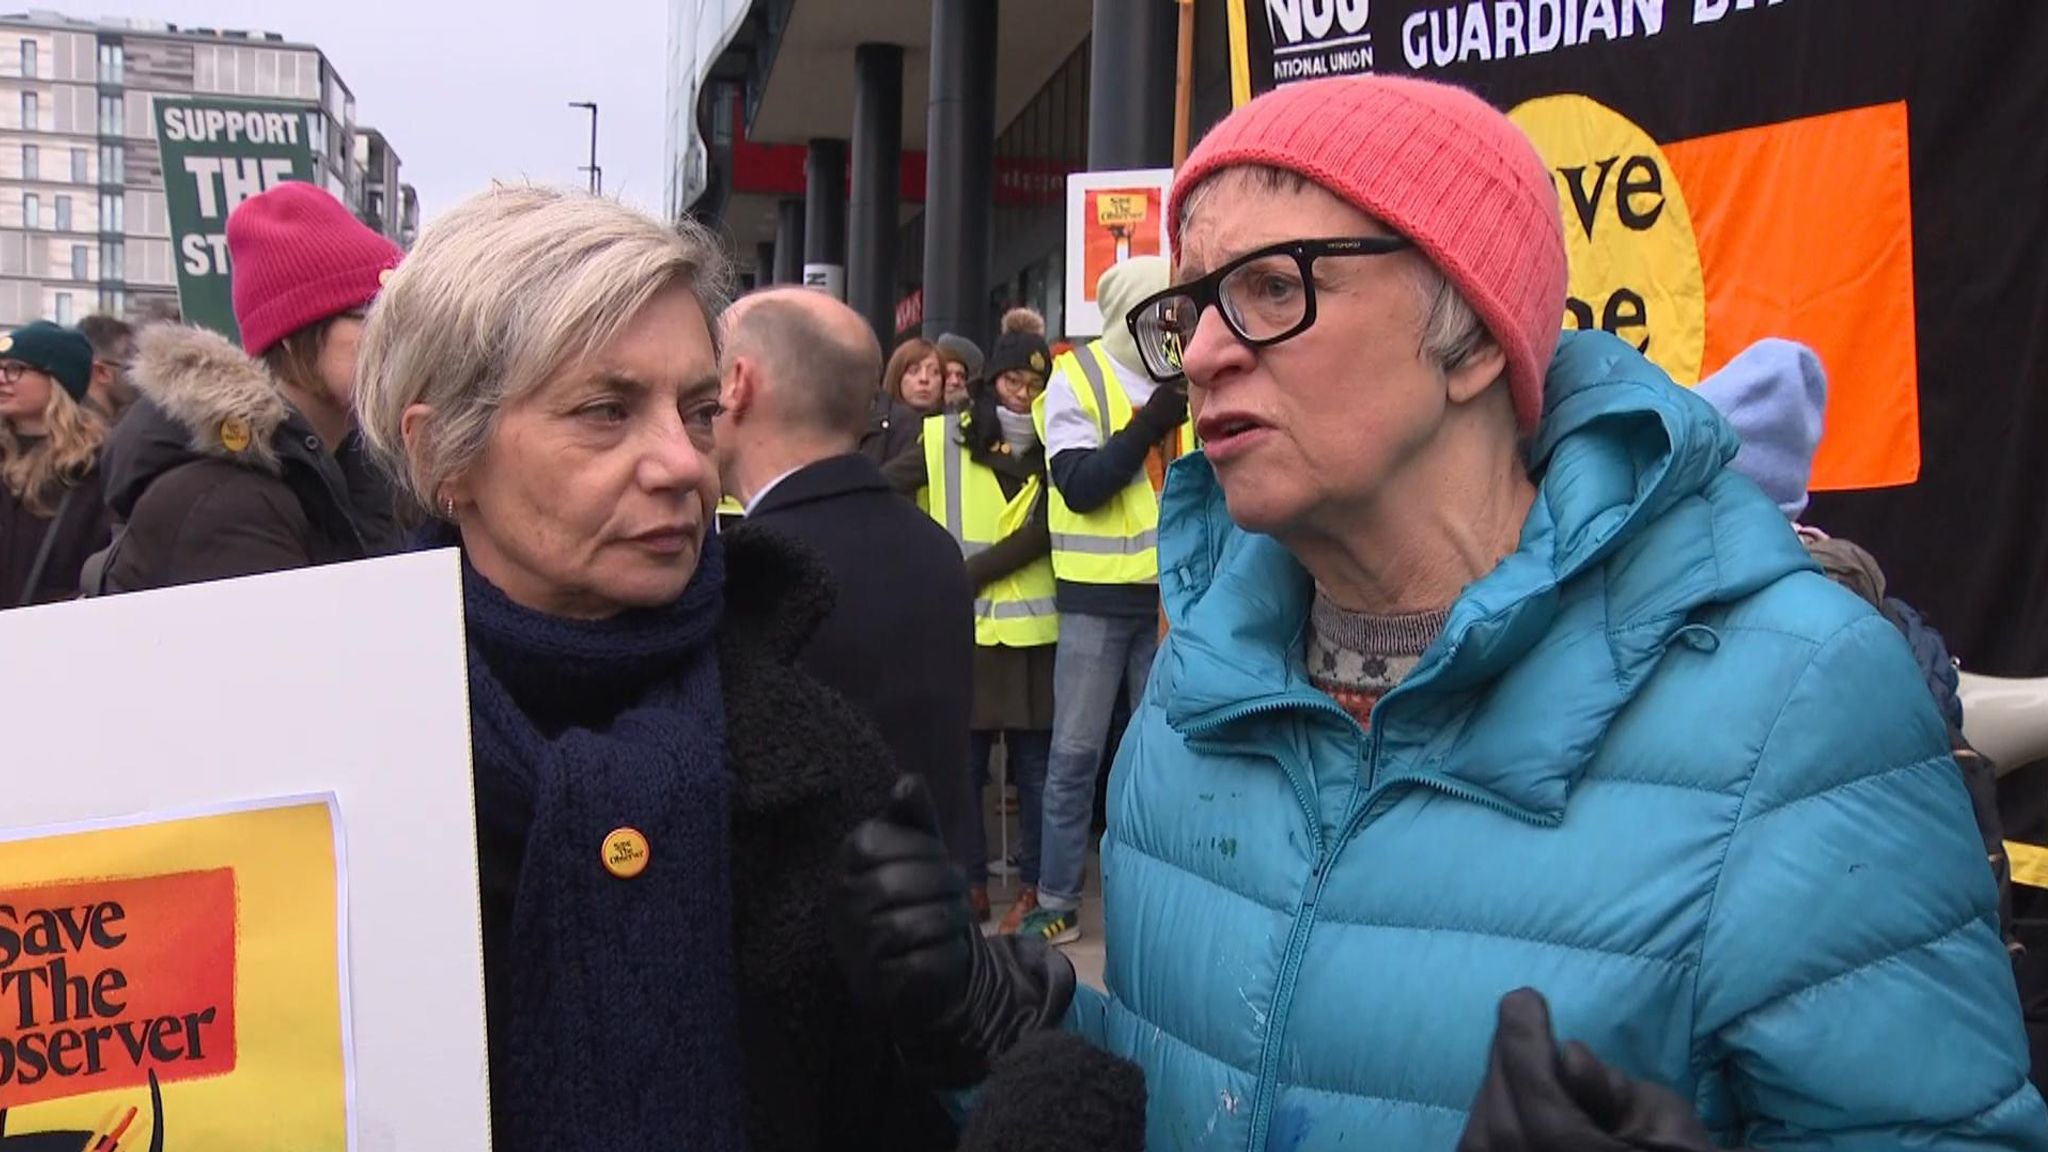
(1509, 765)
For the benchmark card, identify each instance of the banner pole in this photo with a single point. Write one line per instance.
(1184, 84)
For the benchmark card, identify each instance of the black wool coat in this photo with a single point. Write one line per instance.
(899, 641)
(816, 1072)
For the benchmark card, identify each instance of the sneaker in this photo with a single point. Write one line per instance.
(1025, 905)
(1056, 927)
(977, 903)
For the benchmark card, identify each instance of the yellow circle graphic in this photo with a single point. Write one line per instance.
(625, 853)
(234, 434)
(1635, 261)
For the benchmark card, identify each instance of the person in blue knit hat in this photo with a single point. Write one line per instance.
(1775, 395)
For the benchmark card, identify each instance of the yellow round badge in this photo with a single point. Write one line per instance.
(1635, 260)
(234, 434)
(6, 343)
(625, 853)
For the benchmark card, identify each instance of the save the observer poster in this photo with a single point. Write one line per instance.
(1862, 176)
(175, 984)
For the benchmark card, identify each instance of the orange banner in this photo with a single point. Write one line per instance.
(1693, 250)
(103, 982)
(1806, 232)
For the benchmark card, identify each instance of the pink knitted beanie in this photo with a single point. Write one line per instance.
(1436, 164)
(298, 256)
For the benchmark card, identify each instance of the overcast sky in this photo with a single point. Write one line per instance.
(474, 90)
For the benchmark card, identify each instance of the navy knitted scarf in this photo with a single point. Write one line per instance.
(611, 1001)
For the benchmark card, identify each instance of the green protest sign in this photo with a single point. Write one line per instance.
(216, 154)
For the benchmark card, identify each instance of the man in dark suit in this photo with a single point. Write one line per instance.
(800, 371)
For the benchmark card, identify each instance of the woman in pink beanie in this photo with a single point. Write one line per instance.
(1495, 709)
(246, 460)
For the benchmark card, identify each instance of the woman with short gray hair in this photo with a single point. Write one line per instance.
(660, 788)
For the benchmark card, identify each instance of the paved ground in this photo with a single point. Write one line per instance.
(1086, 953)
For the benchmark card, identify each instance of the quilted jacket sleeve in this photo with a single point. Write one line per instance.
(1852, 981)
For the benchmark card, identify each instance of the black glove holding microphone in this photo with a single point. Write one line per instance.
(1538, 1098)
(954, 1000)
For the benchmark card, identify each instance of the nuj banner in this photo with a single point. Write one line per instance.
(216, 154)
(175, 985)
(1862, 176)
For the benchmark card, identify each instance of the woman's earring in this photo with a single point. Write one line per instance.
(448, 506)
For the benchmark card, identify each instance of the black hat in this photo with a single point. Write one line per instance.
(1015, 350)
(63, 353)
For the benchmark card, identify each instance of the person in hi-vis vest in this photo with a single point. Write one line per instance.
(1109, 433)
(979, 470)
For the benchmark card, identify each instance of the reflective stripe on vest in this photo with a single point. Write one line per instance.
(1117, 543)
(1014, 611)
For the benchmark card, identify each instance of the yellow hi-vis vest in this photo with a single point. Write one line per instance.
(728, 514)
(1117, 543)
(966, 499)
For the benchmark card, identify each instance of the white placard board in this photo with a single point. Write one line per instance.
(1111, 216)
(349, 678)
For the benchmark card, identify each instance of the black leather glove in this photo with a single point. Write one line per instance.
(1537, 1098)
(1166, 410)
(912, 953)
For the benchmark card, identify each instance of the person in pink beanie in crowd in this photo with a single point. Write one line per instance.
(1508, 779)
(246, 460)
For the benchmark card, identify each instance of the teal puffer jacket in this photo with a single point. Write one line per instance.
(1656, 767)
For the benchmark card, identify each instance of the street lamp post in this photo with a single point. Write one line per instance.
(596, 173)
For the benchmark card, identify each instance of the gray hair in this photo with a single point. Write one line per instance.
(1451, 329)
(502, 293)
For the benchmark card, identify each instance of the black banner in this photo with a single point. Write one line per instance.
(1866, 176)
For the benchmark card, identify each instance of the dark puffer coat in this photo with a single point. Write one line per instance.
(214, 475)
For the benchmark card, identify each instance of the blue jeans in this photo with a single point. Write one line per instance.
(1097, 655)
(1026, 750)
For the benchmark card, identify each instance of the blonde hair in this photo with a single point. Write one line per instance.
(907, 353)
(500, 294)
(38, 475)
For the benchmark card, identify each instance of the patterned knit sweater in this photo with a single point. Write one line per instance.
(1358, 658)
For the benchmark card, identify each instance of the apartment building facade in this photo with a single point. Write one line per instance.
(84, 225)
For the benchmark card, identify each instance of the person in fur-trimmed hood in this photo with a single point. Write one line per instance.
(239, 461)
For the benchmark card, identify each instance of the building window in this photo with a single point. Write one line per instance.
(112, 214)
(31, 162)
(63, 213)
(81, 263)
(113, 64)
(111, 261)
(112, 302)
(112, 161)
(29, 61)
(31, 211)
(31, 114)
(80, 166)
(64, 309)
(113, 116)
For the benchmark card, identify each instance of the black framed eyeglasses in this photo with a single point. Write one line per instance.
(11, 370)
(1264, 296)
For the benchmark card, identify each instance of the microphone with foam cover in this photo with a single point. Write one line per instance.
(1055, 1092)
